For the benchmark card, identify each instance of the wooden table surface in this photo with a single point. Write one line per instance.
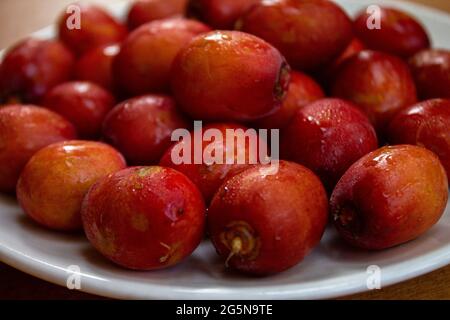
(20, 17)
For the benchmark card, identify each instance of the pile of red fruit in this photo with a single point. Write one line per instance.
(122, 89)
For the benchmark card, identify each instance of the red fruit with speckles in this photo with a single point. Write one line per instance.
(209, 177)
(328, 136)
(84, 104)
(144, 11)
(145, 59)
(380, 84)
(302, 91)
(390, 196)
(229, 76)
(219, 14)
(264, 221)
(33, 67)
(96, 28)
(309, 33)
(144, 218)
(399, 33)
(141, 127)
(23, 131)
(425, 124)
(96, 66)
(431, 71)
(54, 182)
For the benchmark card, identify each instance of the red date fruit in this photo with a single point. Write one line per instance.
(209, 177)
(54, 182)
(309, 33)
(144, 218)
(96, 66)
(141, 127)
(229, 76)
(380, 84)
(219, 14)
(145, 59)
(328, 136)
(23, 131)
(33, 67)
(302, 91)
(264, 221)
(96, 28)
(431, 71)
(389, 197)
(144, 11)
(399, 33)
(425, 124)
(84, 104)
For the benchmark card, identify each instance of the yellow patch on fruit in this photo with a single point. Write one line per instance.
(106, 240)
(139, 222)
(144, 172)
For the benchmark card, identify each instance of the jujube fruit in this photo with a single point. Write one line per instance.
(380, 84)
(328, 136)
(24, 130)
(96, 28)
(431, 72)
(144, 218)
(308, 33)
(84, 104)
(54, 182)
(31, 68)
(426, 124)
(146, 56)
(389, 197)
(264, 221)
(229, 76)
(398, 33)
(141, 127)
(209, 177)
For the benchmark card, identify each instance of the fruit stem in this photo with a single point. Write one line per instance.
(236, 247)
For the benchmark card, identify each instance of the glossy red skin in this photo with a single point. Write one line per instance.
(31, 68)
(144, 218)
(23, 131)
(380, 84)
(302, 91)
(425, 124)
(389, 197)
(145, 59)
(208, 178)
(400, 34)
(308, 33)
(144, 11)
(96, 66)
(328, 72)
(219, 14)
(98, 28)
(141, 127)
(431, 71)
(253, 77)
(54, 182)
(328, 136)
(285, 213)
(355, 46)
(84, 104)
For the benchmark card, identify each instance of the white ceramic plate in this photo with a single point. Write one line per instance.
(332, 270)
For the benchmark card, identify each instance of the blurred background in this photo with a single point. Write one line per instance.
(20, 17)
